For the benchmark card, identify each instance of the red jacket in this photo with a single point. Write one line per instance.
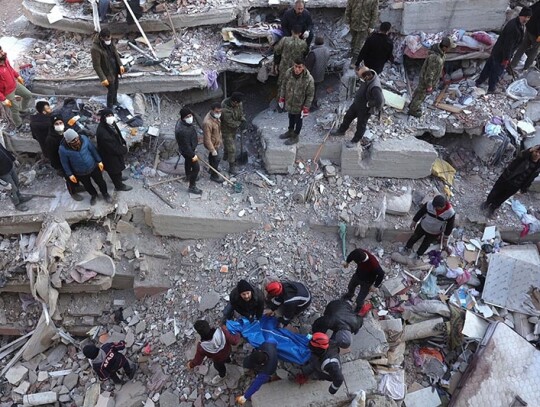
(8, 80)
(224, 347)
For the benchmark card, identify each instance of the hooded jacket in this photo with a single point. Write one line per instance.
(250, 309)
(507, 43)
(6, 161)
(109, 360)
(111, 146)
(101, 60)
(361, 15)
(338, 315)
(231, 116)
(212, 137)
(294, 298)
(218, 348)
(317, 61)
(186, 137)
(8, 80)
(519, 165)
(79, 162)
(432, 68)
(298, 90)
(436, 222)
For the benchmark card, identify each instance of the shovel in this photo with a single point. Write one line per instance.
(236, 185)
(242, 158)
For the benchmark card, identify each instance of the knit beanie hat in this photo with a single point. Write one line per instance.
(91, 351)
(243, 286)
(184, 112)
(525, 12)
(70, 135)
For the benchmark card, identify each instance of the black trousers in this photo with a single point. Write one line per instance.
(192, 170)
(364, 290)
(362, 116)
(315, 102)
(492, 71)
(214, 162)
(112, 92)
(95, 175)
(501, 191)
(295, 123)
(127, 369)
(220, 367)
(418, 233)
(116, 179)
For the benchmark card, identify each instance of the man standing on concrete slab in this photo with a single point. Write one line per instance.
(430, 74)
(216, 345)
(361, 16)
(112, 147)
(232, 117)
(9, 176)
(295, 96)
(431, 220)
(503, 50)
(288, 298)
(531, 40)
(52, 144)
(81, 162)
(316, 63)
(377, 50)
(107, 64)
(516, 177)
(298, 16)
(12, 85)
(368, 100)
(264, 361)
(368, 275)
(40, 123)
(213, 139)
(287, 50)
(324, 363)
(107, 361)
(339, 317)
(246, 300)
(186, 137)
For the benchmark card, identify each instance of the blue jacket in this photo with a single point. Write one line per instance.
(79, 162)
(265, 372)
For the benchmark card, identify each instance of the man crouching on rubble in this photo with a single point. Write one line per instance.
(107, 361)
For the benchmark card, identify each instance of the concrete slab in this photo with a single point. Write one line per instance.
(358, 374)
(131, 394)
(370, 342)
(426, 397)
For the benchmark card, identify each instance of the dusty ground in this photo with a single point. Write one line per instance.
(9, 12)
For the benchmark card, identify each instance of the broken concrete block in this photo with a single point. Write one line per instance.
(92, 395)
(427, 397)
(71, 380)
(22, 388)
(370, 342)
(209, 301)
(131, 394)
(392, 286)
(424, 329)
(42, 376)
(105, 399)
(130, 338)
(99, 263)
(399, 205)
(38, 399)
(168, 399)
(533, 110)
(168, 338)
(393, 325)
(16, 373)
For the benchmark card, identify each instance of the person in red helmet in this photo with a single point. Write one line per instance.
(324, 363)
(289, 298)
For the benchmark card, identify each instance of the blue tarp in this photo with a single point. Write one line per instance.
(291, 347)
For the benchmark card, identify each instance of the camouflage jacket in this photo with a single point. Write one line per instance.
(361, 15)
(288, 49)
(297, 90)
(432, 68)
(231, 116)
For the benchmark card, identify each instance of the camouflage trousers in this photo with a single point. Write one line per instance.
(357, 42)
(418, 97)
(229, 146)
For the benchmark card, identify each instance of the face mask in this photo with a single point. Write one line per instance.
(109, 42)
(110, 120)
(216, 115)
(189, 119)
(59, 128)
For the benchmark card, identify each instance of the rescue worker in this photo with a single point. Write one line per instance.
(186, 137)
(288, 298)
(531, 40)
(369, 276)
(361, 16)
(287, 50)
(213, 139)
(430, 74)
(298, 16)
(295, 96)
(40, 123)
(316, 63)
(377, 50)
(232, 117)
(8, 175)
(368, 100)
(246, 300)
(431, 220)
(340, 318)
(107, 361)
(263, 361)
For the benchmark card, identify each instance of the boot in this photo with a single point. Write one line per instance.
(233, 170)
(25, 198)
(216, 178)
(337, 132)
(292, 140)
(107, 198)
(288, 134)
(93, 200)
(77, 197)
(194, 190)
(21, 207)
(124, 187)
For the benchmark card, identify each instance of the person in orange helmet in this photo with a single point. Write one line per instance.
(289, 298)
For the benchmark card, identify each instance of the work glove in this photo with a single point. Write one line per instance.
(20, 80)
(100, 166)
(331, 390)
(429, 90)
(304, 112)
(505, 63)
(189, 365)
(73, 179)
(122, 70)
(17, 163)
(105, 83)
(194, 159)
(7, 102)
(281, 103)
(305, 35)
(300, 379)
(241, 400)
(412, 225)
(214, 153)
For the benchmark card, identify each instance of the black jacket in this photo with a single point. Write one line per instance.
(338, 315)
(250, 309)
(533, 26)
(186, 137)
(111, 147)
(369, 271)
(377, 50)
(369, 96)
(326, 366)
(109, 360)
(52, 144)
(6, 161)
(39, 125)
(293, 300)
(291, 19)
(520, 164)
(507, 43)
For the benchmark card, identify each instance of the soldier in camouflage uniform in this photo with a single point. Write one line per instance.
(361, 15)
(295, 95)
(430, 74)
(232, 117)
(287, 50)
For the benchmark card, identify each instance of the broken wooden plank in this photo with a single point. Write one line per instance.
(449, 108)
